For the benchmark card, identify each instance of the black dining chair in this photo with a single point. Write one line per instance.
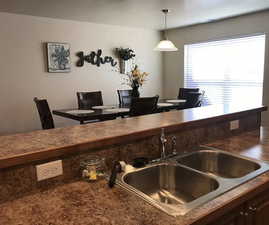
(193, 99)
(44, 113)
(125, 97)
(201, 98)
(183, 92)
(143, 106)
(86, 100)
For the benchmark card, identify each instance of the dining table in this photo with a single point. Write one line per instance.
(108, 112)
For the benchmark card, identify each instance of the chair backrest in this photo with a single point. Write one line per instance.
(201, 98)
(143, 106)
(125, 97)
(182, 94)
(44, 113)
(193, 100)
(88, 99)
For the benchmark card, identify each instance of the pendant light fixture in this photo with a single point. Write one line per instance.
(165, 45)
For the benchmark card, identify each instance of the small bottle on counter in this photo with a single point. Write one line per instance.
(93, 168)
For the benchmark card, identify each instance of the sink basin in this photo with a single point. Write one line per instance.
(171, 184)
(219, 163)
(182, 183)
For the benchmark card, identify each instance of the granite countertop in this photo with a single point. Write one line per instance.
(39, 145)
(82, 203)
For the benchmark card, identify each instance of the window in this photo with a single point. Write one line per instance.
(229, 71)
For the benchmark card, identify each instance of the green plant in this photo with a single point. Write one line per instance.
(125, 53)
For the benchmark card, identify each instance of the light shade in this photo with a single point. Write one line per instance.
(166, 46)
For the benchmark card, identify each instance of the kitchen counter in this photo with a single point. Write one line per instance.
(82, 203)
(41, 145)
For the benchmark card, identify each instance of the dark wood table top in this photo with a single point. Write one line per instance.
(97, 114)
(106, 114)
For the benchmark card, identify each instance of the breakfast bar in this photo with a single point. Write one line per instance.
(68, 199)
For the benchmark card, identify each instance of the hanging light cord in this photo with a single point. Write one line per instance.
(165, 11)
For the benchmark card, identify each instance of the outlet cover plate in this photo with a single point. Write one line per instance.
(234, 124)
(49, 170)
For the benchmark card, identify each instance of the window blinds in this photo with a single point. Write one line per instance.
(229, 71)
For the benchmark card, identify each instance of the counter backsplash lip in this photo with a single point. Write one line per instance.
(24, 148)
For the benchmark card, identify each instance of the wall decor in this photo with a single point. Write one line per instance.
(124, 55)
(58, 57)
(95, 58)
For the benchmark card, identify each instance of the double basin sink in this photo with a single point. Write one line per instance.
(180, 184)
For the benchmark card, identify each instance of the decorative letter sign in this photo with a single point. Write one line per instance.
(95, 58)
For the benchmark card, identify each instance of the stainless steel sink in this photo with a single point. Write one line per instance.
(182, 183)
(219, 163)
(171, 184)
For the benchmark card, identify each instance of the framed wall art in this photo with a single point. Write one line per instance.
(58, 57)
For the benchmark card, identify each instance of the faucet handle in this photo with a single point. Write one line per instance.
(174, 139)
(174, 144)
(162, 138)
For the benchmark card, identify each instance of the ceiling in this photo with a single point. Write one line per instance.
(135, 13)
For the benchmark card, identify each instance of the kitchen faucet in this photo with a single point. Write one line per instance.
(163, 142)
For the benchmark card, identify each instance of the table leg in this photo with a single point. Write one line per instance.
(81, 122)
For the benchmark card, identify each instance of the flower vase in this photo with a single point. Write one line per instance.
(123, 65)
(135, 92)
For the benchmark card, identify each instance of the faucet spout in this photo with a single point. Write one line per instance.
(163, 142)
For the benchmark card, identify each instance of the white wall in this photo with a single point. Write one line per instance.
(244, 25)
(23, 66)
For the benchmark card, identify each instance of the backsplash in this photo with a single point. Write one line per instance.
(19, 181)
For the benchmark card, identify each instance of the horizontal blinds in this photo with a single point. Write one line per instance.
(228, 70)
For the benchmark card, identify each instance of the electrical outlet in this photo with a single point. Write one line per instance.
(49, 170)
(234, 124)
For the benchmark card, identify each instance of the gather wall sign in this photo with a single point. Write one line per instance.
(95, 58)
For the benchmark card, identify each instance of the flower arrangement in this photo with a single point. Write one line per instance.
(125, 53)
(136, 78)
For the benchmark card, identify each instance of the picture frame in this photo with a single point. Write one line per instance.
(58, 57)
